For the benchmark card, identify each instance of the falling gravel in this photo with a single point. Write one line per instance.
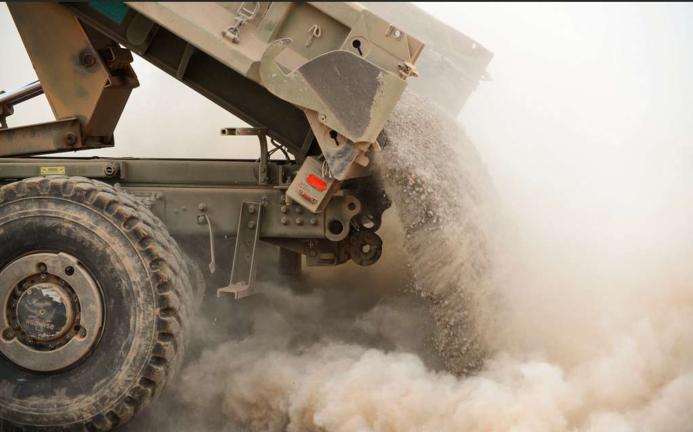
(442, 193)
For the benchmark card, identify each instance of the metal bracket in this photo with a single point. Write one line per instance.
(261, 133)
(57, 136)
(243, 15)
(85, 75)
(242, 282)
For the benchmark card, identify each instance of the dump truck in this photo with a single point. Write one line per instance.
(101, 268)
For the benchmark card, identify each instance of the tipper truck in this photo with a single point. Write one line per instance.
(101, 268)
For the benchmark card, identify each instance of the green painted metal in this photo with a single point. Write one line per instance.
(114, 10)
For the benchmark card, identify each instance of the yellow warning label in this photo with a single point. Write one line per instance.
(53, 170)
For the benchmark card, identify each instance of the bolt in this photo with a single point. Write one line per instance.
(283, 209)
(313, 221)
(158, 196)
(86, 58)
(201, 220)
(251, 209)
(299, 221)
(299, 210)
(82, 332)
(313, 253)
(8, 334)
(42, 268)
(323, 117)
(251, 224)
(70, 138)
(285, 220)
(202, 207)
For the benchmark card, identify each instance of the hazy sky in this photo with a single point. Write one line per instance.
(589, 114)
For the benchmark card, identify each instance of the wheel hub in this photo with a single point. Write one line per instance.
(52, 311)
(365, 247)
(45, 313)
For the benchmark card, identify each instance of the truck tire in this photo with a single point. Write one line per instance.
(95, 298)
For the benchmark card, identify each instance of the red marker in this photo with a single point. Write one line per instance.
(317, 183)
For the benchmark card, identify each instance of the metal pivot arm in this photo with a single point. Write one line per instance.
(86, 77)
(242, 282)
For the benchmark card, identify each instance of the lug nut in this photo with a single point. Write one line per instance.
(8, 334)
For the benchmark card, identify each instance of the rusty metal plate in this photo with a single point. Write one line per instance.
(57, 136)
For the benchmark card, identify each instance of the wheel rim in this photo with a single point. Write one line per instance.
(52, 311)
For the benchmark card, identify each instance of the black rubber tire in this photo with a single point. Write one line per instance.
(147, 303)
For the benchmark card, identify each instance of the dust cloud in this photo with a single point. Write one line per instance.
(572, 269)
(579, 331)
(578, 269)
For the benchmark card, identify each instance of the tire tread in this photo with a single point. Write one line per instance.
(168, 274)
